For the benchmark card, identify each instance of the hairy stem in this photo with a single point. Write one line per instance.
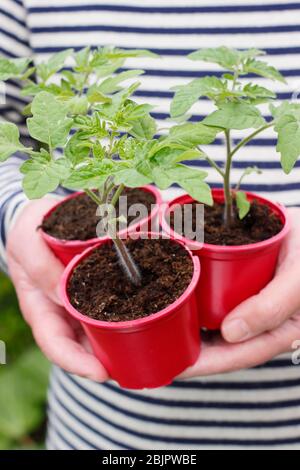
(94, 197)
(227, 184)
(128, 264)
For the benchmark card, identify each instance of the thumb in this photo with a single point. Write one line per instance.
(265, 311)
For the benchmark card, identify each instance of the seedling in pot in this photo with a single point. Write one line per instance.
(103, 152)
(237, 108)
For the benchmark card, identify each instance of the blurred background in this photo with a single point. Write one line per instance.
(23, 380)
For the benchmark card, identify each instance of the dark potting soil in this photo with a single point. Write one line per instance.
(99, 289)
(260, 224)
(76, 218)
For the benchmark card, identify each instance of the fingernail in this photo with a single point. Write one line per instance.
(236, 330)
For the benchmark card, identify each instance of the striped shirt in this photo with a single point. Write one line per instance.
(256, 408)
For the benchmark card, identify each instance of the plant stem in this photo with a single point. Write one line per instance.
(85, 79)
(227, 185)
(94, 197)
(128, 263)
(215, 166)
(250, 137)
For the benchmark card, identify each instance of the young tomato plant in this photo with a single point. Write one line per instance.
(80, 79)
(104, 146)
(237, 108)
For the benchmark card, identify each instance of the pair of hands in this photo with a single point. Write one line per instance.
(255, 332)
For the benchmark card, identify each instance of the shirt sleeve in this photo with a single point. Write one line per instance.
(14, 36)
(14, 43)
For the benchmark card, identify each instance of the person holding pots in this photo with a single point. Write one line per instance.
(228, 402)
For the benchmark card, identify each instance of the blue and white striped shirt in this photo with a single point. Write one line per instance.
(256, 408)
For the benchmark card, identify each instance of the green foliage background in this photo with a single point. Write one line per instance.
(23, 380)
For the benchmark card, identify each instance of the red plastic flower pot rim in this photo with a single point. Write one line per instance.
(218, 195)
(83, 244)
(132, 323)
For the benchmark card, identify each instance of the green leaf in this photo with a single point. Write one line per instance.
(77, 149)
(288, 129)
(49, 123)
(78, 105)
(96, 96)
(113, 53)
(190, 134)
(43, 174)
(111, 84)
(187, 95)
(9, 140)
(243, 204)
(264, 70)
(169, 156)
(235, 116)
(143, 128)
(131, 178)
(82, 58)
(45, 70)
(12, 68)
(191, 180)
(258, 93)
(223, 56)
(91, 176)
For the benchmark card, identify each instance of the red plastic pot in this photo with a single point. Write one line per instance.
(148, 352)
(230, 274)
(65, 250)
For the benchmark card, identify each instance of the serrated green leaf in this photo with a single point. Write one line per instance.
(113, 53)
(45, 70)
(256, 92)
(288, 145)
(78, 105)
(92, 175)
(235, 116)
(192, 134)
(169, 156)
(82, 58)
(131, 178)
(77, 149)
(111, 84)
(262, 69)
(43, 175)
(143, 128)
(49, 123)
(187, 95)
(12, 68)
(191, 180)
(223, 56)
(96, 96)
(242, 203)
(9, 140)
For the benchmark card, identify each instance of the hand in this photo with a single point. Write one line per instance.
(263, 326)
(36, 273)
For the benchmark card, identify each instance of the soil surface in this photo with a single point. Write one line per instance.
(76, 218)
(99, 288)
(260, 224)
